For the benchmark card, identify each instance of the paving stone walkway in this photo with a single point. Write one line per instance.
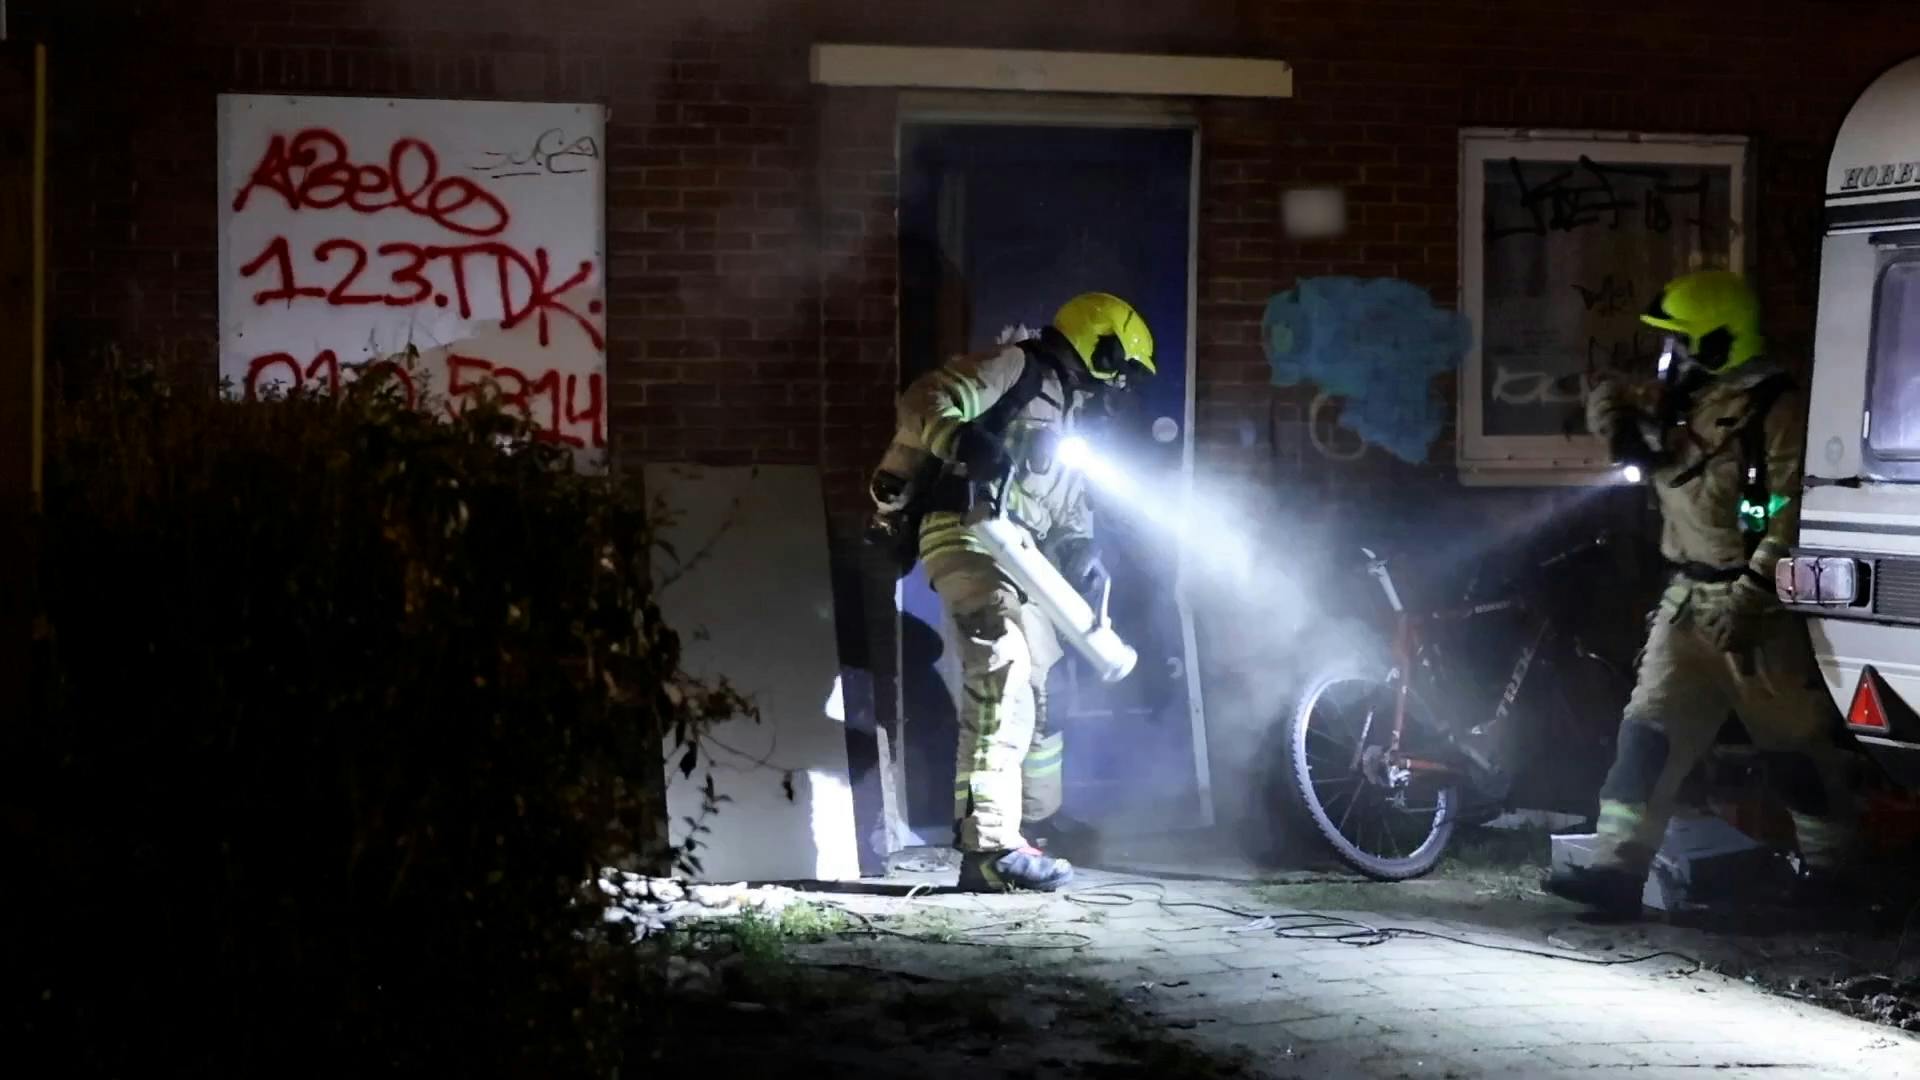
(1407, 1007)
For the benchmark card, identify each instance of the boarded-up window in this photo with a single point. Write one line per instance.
(356, 232)
(1566, 240)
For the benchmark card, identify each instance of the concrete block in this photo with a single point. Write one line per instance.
(1702, 858)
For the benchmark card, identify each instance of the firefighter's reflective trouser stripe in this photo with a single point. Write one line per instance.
(1041, 776)
(1685, 689)
(1005, 650)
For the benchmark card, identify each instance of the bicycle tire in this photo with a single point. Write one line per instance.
(1300, 781)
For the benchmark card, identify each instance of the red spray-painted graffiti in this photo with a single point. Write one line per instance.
(314, 170)
(550, 400)
(477, 270)
(325, 366)
(468, 374)
(525, 282)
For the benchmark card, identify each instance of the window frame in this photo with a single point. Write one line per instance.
(1486, 460)
(1891, 250)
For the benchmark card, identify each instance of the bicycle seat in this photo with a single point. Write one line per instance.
(1376, 564)
(1379, 555)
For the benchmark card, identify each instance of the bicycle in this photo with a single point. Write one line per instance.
(1380, 760)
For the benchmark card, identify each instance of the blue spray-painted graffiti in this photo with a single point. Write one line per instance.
(1378, 343)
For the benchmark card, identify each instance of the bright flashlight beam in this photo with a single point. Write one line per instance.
(1631, 474)
(1214, 540)
(1076, 453)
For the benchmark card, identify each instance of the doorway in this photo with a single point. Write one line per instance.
(1000, 223)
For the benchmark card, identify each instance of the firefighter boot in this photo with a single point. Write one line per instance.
(1610, 892)
(1023, 868)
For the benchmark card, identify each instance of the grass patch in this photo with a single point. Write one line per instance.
(759, 937)
(935, 924)
(1504, 864)
(763, 938)
(1498, 849)
(1480, 865)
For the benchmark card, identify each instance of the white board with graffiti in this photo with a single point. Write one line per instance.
(356, 230)
(1565, 240)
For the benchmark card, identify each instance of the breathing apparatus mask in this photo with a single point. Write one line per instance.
(1640, 439)
(1110, 367)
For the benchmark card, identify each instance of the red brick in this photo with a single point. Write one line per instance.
(1393, 213)
(680, 219)
(681, 135)
(669, 262)
(690, 93)
(1395, 174)
(755, 136)
(629, 156)
(678, 393)
(630, 191)
(716, 114)
(718, 329)
(719, 157)
(718, 241)
(718, 199)
(755, 179)
(680, 177)
(682, 349)
(1357, 154)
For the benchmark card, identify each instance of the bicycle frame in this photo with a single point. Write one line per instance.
(1408, 647)
(1410, 745)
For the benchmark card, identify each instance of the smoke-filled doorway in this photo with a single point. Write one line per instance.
(999, 225)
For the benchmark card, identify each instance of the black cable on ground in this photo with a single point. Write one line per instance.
(1305, 926)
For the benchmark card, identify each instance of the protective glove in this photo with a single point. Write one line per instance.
(983, 454)
(1079, 562)
(1608, 412)
(1616, 413)
(1733, 617)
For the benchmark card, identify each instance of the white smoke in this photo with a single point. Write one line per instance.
(1270, 589)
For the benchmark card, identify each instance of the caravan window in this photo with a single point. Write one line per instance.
(1893, 401)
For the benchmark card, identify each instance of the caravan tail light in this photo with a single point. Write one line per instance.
(1867, 712)
(1822, 580)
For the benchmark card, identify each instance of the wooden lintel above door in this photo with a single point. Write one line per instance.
(1050, 72)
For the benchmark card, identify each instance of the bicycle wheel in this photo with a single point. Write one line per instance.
(1388, 827)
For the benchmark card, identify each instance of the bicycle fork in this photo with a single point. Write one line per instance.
(1397, 768)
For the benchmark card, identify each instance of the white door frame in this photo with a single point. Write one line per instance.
(1068, 110)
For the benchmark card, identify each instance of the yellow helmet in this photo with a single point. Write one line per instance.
(1107, 333)
(1717, 314)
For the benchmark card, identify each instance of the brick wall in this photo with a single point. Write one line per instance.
(751, 260)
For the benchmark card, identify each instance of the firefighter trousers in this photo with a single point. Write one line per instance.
(1684, 690)
(1007, 764)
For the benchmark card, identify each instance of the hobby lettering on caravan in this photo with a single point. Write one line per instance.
(1893, 174)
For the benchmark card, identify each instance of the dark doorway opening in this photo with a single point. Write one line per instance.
(999, 225)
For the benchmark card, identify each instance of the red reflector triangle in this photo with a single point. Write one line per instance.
(1866, 711)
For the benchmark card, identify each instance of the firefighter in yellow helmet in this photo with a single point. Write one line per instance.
(979, 420)
(1719, 435)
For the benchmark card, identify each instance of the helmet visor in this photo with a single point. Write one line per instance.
(1109, 362)
(1674, 355)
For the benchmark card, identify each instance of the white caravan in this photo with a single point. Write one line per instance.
(1856, 572)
